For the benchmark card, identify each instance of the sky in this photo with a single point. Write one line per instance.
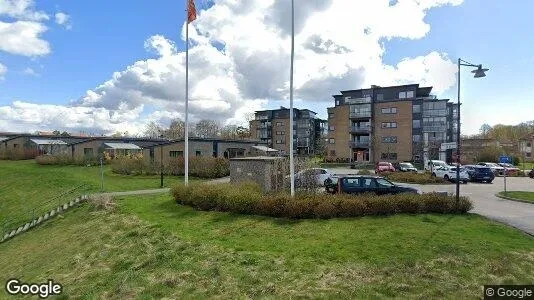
(99, 67)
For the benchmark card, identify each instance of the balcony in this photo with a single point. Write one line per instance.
(357, 100)
(359, 144)
(434, 128)
(360, 115)
(264, 125)
(360, 129)
(303, 144)
(303, 125)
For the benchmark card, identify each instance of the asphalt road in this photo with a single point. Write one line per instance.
(516, 214)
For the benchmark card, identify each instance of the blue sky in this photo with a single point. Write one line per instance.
(109, 36)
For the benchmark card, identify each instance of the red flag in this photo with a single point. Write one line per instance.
(191, 11)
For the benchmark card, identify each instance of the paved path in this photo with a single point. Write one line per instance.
(517, 214)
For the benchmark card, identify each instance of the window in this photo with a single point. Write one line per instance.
(332, 152)
(280, 141)
(389, 124)
(15, 145)
(280, 133)
(88, 151)
(176, 153)
(198, 153)
(332, 141)
(383, 183)
(351, 182)
(390, 156)
(389, 139)
(331, 127)
(416, 138)
(528, 154)
(379, 97)
(416, 109)
(416, 123)
(337, 102)
(279, 124)
(369, 183)
(330, 115)
(402, 95)
(529, 144)
(409, 94)
(389, 110)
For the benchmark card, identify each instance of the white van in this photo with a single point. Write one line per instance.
(432, 164)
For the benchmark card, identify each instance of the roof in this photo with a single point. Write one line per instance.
(125, 146)
(264, 149)
(258, 158)
(48, 142)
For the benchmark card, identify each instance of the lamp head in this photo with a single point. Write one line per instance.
(480, 72)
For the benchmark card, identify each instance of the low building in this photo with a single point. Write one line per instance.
(201, 147)
(261, 170)
(50, 146)
(525, 147)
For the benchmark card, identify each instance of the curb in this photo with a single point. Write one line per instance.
(513, 199)
(41, 219)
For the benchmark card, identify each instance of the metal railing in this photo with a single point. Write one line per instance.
(360, 114)
(357, 144)
(362, 128)
(15, 220)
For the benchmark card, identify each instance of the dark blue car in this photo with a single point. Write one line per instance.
(480, 173)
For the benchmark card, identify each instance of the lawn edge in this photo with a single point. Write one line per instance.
(512, 199)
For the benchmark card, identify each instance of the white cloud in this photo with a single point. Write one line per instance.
(30, 71)
(63, 19)
(333, 51)
(23, 36)
(21, 9)
(3, 70)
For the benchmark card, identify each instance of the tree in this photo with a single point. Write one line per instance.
(229, 132)
(176, 130)
(64, 133)
(153, 130)
(56, 132)
(207, 129)
(485, 130)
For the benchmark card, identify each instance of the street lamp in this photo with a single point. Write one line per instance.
(161, 162)
(479, 72)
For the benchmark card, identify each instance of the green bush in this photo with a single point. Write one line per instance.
(65, 159)
(249, 199)
(18, 154)
(410, 177)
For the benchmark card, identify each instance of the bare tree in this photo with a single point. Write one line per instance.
(176, 130)
(229, 132)
(153, 130)
(207, 129)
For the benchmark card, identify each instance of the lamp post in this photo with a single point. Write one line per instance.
(479, 72)
(161, 163)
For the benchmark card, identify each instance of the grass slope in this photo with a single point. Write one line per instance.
(521, 195)
(152, 248)
(25, 185)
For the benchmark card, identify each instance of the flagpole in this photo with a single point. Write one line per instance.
(186, 150)
(291, 137)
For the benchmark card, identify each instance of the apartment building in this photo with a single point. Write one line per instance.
(273, 128)
(395, 123)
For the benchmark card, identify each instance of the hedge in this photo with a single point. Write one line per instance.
(202, 167)
(65, 160)
(248, 199)
(410, 177)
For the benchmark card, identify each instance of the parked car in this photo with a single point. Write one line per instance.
(357, 184)
(405, 167)
(497, 170)
(432, 164)
(312, 176)
(449, 173)
(384, 166)
(509, 168)
(479, 173)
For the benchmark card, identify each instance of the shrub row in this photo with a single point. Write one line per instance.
(409, 177)
(65, 160)
(248, 199)
(18, 154)
(199, 166)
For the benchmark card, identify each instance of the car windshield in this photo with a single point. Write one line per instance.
(383, 164)
(407, 165)
(439, 164)
(484, 169)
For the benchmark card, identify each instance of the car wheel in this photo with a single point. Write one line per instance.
(433, 174)
(465, 181)
(490, 182)
(446, 177)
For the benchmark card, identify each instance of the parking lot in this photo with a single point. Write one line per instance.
(517, 214)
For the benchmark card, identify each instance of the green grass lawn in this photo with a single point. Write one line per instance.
(526, 196)
(25, 185)
(152, 248)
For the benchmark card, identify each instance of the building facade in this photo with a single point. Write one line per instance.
(395, 123)
(273, 128)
